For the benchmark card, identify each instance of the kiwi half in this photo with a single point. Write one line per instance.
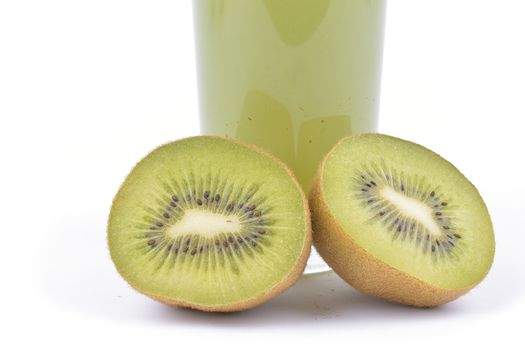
(397, 221)
(211, 224)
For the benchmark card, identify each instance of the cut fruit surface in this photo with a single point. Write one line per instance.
(209, 223)
(408, 216)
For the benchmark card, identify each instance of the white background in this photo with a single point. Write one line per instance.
(89, 87)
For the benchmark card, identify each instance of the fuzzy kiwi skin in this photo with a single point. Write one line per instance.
(271, 293)
(361, 269)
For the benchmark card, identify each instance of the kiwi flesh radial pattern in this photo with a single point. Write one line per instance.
(396, 220)
(211, 224)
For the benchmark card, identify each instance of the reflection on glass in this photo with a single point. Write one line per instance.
(316, 138)
(295, 24)
(266, 122)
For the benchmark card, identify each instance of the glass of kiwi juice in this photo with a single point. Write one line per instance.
(291, 76)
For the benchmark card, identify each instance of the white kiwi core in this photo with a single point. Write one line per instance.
(204, 223)
(412, 208)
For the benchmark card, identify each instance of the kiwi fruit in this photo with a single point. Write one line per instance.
(211, 224)
(397, 221)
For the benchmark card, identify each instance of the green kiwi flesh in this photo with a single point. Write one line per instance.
(211, 224)
(407, 209)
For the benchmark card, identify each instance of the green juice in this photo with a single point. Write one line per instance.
(292, 76)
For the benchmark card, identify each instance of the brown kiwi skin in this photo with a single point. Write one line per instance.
(358, 267)
(277, 289)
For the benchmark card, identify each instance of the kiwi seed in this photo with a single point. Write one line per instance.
(401, 226)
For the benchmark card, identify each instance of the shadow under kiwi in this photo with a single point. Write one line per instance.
(321, 299)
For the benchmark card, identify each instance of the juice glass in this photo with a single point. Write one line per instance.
(291, 76)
